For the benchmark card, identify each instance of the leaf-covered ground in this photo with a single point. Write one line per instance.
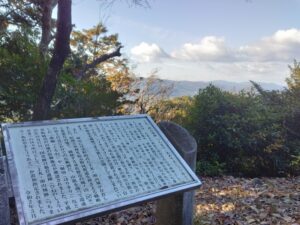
(138, 215)
(237, 201)
(227, 201)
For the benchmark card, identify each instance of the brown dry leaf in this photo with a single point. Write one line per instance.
(251, 220)
(265, 201)
(288, 219)
(254, 208)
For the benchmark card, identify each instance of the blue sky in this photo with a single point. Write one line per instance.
(235, 40)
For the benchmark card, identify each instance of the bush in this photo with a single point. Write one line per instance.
(209, 168)
(238, 134)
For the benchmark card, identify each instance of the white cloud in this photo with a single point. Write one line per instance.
(145, 52)
(212, 59)
(287, 36)
(209, 48)
(284, 45)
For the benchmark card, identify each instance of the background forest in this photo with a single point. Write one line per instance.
(250, 133)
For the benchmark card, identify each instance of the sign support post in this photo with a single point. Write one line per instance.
(4, 198)
(178, 209)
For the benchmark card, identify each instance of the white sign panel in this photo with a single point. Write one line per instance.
(65, 170)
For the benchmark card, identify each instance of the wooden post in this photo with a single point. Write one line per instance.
(178, 209)
(4, 201)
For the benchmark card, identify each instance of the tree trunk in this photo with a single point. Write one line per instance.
(47, 9)
(61, 51)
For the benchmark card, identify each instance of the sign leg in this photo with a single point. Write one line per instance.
(4, 201)
(178, 209)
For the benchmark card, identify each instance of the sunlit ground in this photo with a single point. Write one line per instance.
(225, 201)
(237, 201)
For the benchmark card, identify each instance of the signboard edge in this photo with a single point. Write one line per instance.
(178, 156)
(13, 175)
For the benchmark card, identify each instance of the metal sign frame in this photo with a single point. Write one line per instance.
(97, 210)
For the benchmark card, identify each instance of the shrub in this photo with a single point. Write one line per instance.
(209, 168)
(239, 134)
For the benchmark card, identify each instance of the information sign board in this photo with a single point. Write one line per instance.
(69, 169)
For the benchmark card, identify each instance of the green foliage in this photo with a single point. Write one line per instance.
(175, 109)
(239, 131)
(21, 74)
(209, 168)
(23, 69)
(86, 98)
(252, 133)
(93, 42)
(295, 162)
(293, 81)
(287, 104)
(19, 13)
(96, 93)
(88, 45)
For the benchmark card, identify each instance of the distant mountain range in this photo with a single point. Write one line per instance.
(190, 88)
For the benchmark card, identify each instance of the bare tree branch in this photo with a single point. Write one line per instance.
(140, 3)
(148, 92)
(97, 61)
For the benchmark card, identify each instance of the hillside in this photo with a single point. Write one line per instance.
(190, 88)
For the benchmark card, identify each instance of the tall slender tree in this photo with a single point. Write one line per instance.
(60, 53)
